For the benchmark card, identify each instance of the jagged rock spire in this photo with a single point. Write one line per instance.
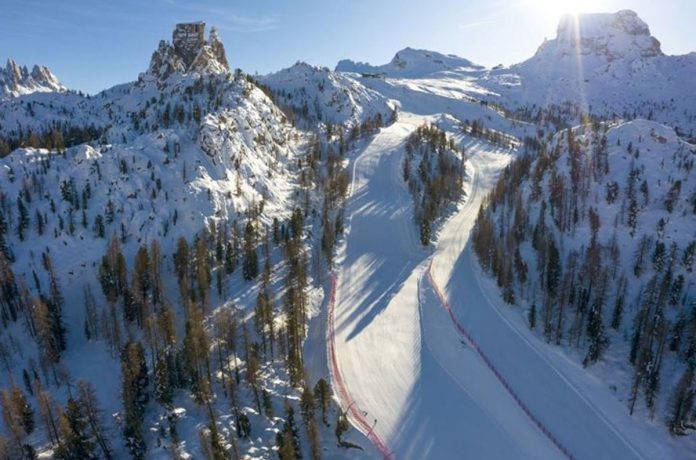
(189, 52)
(16, 80)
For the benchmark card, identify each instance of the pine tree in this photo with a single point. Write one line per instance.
(267, 404)
(134, 391)
(307, 404)
(243, 426)
(250, 264)
(595, 332)
(531, 316)
(288, 438)
(23, 219)
(75, 441)
(55, 307)
(342, 425)
(323, 395)
(163, 389)
(17, 415)
(682, 403)
(87, 398)
(23, 410)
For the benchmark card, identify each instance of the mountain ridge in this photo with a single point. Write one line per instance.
(16, 80)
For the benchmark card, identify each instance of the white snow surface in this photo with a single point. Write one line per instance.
(328, 96)
(425, 388)
(411, 63)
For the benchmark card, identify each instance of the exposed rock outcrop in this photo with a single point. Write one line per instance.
(610, 36)
(189, 52)
(16, 80)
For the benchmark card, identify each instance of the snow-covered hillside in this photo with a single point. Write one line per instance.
(594, 239)
(411, 63)
(187, 154)
(16, 80)
(317, 93)
(228, 266)
(609, 65)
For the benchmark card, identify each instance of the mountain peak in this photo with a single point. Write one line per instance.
(16, 80)
(610, 35)
(189, 52)
(410, 63)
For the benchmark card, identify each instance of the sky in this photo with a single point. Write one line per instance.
(94, 44)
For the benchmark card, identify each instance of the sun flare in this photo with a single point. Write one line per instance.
(553, 9)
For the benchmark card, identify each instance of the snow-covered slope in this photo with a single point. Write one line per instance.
(411, 63)
(16, 80)
(424, 356)
(607, 64)
(169, 182)
(595, 240)
(186, 152)
(318, 93)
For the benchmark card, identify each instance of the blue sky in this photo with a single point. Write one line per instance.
(93, 44)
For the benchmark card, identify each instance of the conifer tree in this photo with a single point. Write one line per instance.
(682, 403)
(87, 399)
(531, 316)
(596, 335)
(134, 392)
(75, 442)
(323, 395)
(250, 264)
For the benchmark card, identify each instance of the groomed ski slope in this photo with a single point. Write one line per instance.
(411, 377)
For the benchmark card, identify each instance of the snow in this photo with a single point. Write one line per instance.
(327, 96)
(419, 382)
(609, 65)
(404, 363)
(411, 63)
(659, 156)
(433, 364)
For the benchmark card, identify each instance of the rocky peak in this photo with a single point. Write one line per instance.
(189, 52)
(188, 39)
(611, 36)
(16, 80)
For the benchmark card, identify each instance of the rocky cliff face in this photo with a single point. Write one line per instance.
(609, 36)
(16, 80)
(189, 52)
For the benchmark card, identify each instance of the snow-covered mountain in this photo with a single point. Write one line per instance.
(184, 242)
(411, 63)
(319, 94)
(16, 80)
(608, 64)
(187, 152)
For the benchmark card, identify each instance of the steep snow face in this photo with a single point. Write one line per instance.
(318, 93)
(16, 80)
(189, 52)
(411, 63)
